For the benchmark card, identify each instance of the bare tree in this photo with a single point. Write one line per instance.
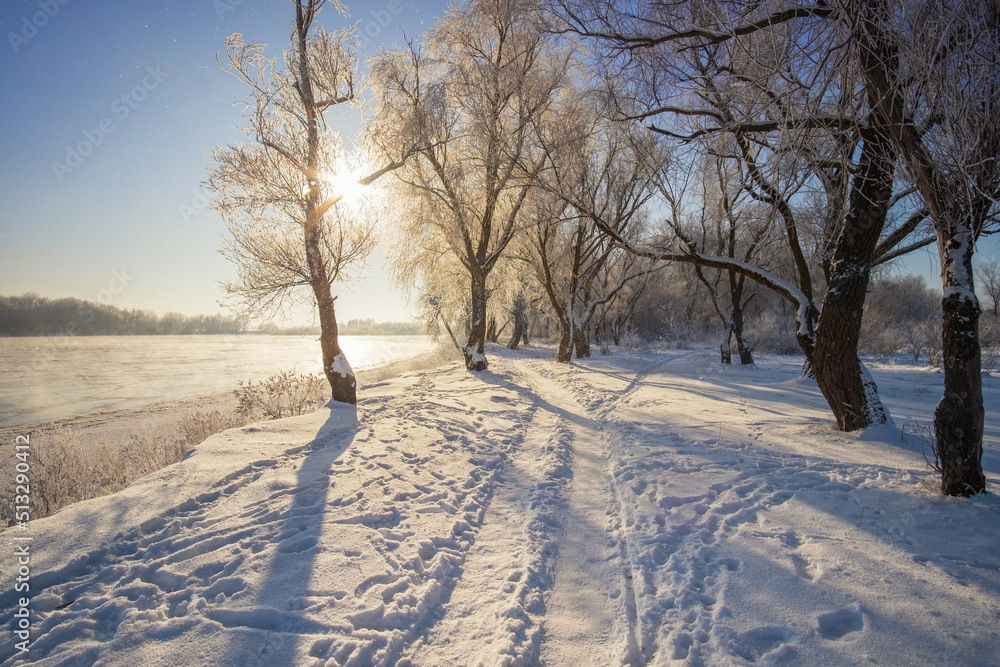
(731, 227)
(470, 96)
(279, 195)
(989, 277)
(593, 169)
(924, 88)
(934, 69)
(783, 81)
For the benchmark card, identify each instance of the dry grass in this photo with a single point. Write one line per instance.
(284, 394)
(62, 472)
(198, 426)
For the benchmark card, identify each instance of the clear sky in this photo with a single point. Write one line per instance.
(109, 111)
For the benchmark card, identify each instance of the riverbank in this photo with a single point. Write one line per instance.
(56, 379)
(163, 419)
(93, 455)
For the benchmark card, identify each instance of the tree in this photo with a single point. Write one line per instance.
(989, 277)
(279, 196)
(901, 314)
(774, 79)
(924, 89)
(935, 70)
(469, 96)
(730, 226)
(593, 170)
(519, 313)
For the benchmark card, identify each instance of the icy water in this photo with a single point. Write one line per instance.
(58, 377)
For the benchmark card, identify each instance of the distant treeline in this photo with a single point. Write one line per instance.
(34, 315)
(367, 327)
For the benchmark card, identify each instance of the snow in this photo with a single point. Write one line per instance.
(877, 412)
(652, 507)
(959, 283)
(341, 366)
(474, 355)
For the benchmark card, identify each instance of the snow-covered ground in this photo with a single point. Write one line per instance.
(637, 508)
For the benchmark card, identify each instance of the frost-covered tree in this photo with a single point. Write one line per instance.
(902, 315)
(594, 177)
(772, 79)
(887, 81)
(469, 95)
(934, 67)
(279, 195)
(727, 225)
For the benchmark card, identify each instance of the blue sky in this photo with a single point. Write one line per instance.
(109, 111)
(136, 86)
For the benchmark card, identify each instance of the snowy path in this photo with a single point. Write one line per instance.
(492, 615)
(649, 508)
(588, 615)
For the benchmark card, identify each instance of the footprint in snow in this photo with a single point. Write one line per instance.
(838, 624)
(755, 644)
(804, 567)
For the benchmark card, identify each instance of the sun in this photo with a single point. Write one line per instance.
(343, 181)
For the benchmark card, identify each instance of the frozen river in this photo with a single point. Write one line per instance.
(58, 377)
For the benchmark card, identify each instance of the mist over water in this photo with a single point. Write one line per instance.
(59, 377)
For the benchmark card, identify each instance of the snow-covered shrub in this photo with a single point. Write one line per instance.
(284, 394)
(63, 471)
(197, 426)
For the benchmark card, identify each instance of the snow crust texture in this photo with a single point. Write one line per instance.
(650, 508)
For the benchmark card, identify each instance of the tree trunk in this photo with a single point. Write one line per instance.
(849, 390)
(475, 349)
(743, 347)
(492, 334)
(343, 385)
(736, 286)
(726, 352)
(565, 351)
(581, 341)
(805, 335)
(958, 420)
(519, 311)
(515, 339)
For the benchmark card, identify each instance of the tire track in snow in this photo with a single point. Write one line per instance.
(670, 576)
(683, 499)
(591, 613)
(674, 508)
